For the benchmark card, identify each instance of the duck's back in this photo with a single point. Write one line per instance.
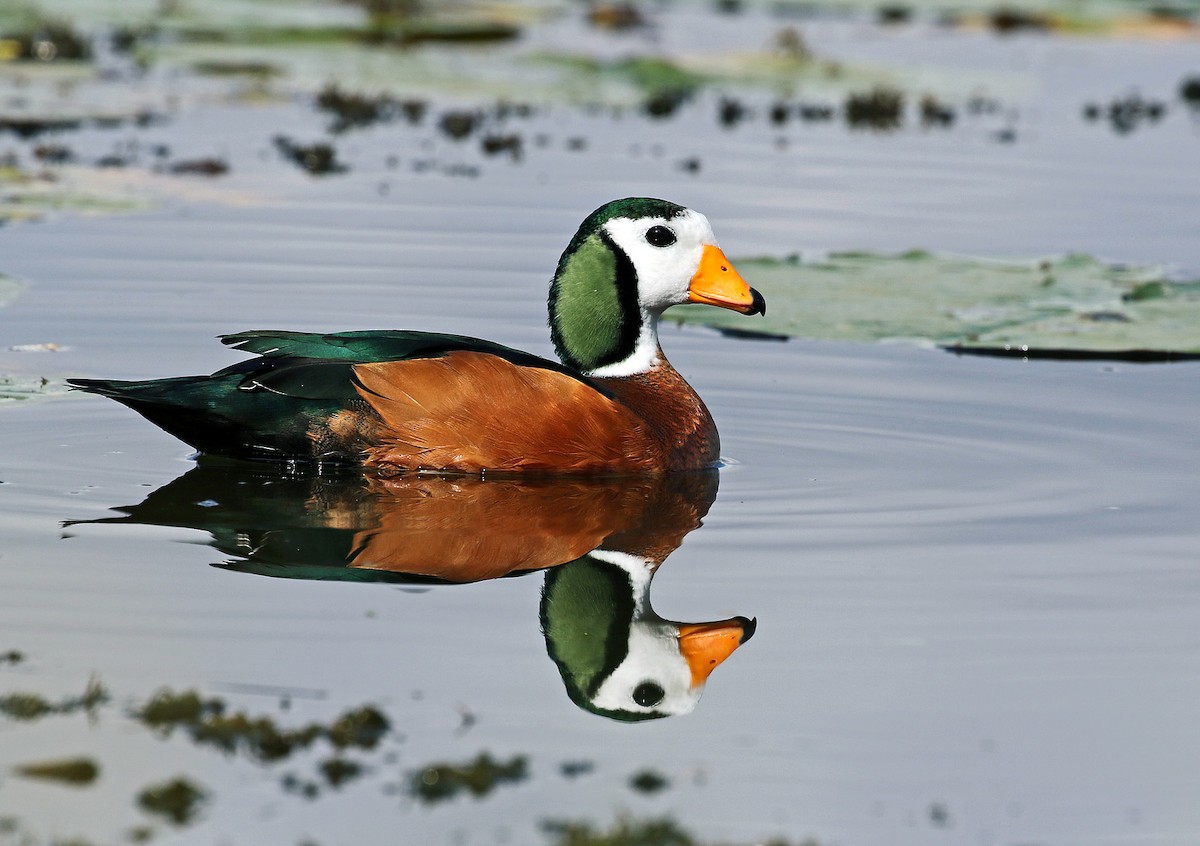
(398, 401)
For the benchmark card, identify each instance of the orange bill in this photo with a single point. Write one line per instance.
(705, 645)
(717, 283)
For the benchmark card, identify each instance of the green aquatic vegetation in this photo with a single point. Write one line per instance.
(440, 782)
(207, 723)
(339, 771)
(12, 656)
(1075, 303)
(167, 709)
(25, 706)
(178, 801)
(31, 706)
(626, 831)
(77, 772)
(361, 728)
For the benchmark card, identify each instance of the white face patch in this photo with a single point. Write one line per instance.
(654, 670)
(663, 273)
(653, 664)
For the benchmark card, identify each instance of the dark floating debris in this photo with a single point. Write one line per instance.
(354, 110)
(1125, 114)
(440, 782)
(816, 112)
(259, 70)
(935, 113)
(574, 769)
(76, 772)
(495, 144)
(457, 125)
(615, 16)
(627, 831)
(12, 656)
(53, 154)
(648, 782)
(26, 128)
(731, 112)
(894, 14)
(178, 801)
(665, 102)
(339, 771)
(318, 159)
(880, 109)
(1007, 20)
(1189, 91)
(199, 167)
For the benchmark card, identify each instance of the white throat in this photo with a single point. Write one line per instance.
(645, 356)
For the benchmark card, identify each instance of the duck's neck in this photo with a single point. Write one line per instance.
(673, 411)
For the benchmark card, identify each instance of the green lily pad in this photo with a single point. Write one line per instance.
(1071, 304)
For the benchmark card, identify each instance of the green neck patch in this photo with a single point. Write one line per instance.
(587, 608)
(595, 319)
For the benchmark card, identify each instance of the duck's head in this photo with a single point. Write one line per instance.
(617, 657)
(630, 260)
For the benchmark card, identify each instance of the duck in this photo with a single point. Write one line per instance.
(401, 401)
(617, 657)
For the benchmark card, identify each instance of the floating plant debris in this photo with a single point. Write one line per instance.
(574, 769)
(12, 656)
(178, 801)
(648, 782)
(1075, 303)
(615, 16)
(339, 771)
(1010, 19)
(440, 782)
(208, 724)
(1125, 114)
(494, 144)
(31, 706)
(457, 125)
(627, 831)
(1189, 91)
(76, 772)
(880, 109)
(199, 167)
(934, 113)
(319, 159)
(355, 110)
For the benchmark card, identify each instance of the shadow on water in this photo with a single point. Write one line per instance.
(600, 541)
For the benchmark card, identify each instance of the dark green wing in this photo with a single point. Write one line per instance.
(265, 407)
(368, 346)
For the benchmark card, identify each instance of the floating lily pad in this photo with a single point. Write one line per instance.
(1071, 304)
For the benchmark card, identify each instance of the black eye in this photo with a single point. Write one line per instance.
(660, 236)
(647, 694)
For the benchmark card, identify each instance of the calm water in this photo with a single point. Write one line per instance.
(975, 581)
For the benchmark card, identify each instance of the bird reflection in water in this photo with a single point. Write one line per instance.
(600, 541)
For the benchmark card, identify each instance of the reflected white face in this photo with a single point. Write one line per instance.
(665, 253)
(653, 678)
